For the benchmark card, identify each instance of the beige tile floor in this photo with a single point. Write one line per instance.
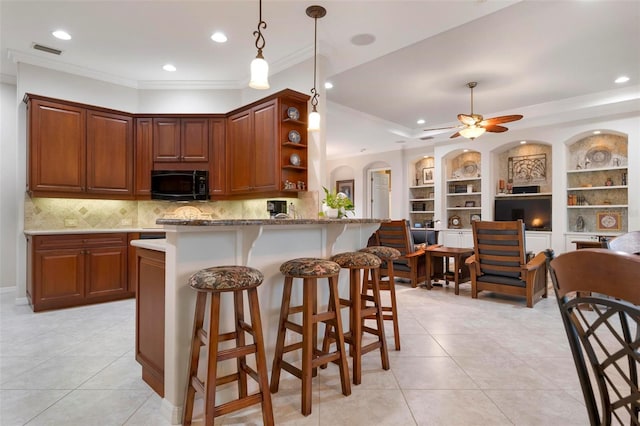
(466, 362)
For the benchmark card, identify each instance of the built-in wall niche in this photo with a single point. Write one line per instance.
(597, 187)
(524, 165)
(463, 189)
(422, 193)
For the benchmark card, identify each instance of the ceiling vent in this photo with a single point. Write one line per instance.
(426, 138)
(47, 49)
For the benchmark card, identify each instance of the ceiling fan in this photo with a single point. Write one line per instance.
(473, 125)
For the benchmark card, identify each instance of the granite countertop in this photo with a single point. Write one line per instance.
(89, 231)
(236, 222)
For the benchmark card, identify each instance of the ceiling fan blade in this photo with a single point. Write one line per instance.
(455, 135)
(500, 120)
(441, 128)
(495, 128)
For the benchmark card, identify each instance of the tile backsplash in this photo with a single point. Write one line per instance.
(61, 213)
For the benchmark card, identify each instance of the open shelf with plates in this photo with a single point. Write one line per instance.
(597, 187)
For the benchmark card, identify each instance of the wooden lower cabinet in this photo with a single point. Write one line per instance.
(150, 316)
(76, 269)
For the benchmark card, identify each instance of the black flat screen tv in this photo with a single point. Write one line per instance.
(535, 212)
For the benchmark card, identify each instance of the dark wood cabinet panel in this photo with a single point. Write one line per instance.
(57, 137)
(180, 140)
(239, 152)
(109, 153)
(76, 269)
(143, 157)
(150, 302)
(194, 139)
(217, 163)
(266, 147)
(106, 271)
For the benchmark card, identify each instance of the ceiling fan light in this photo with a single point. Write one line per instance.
(259, 73)
(472, 132)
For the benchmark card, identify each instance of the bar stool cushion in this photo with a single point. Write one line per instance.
(356, 259)
(384, 253)
(226, 278)
(309, 267)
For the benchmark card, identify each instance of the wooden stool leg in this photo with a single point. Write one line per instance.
(282, 331)
(198, 320)
(261, 359)
(384, 354)
(241, 361)
(308, 297)
(394, 305)
(355, 318)
(334, 299)
(212, 370)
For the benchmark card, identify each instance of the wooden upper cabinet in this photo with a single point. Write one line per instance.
(180, 140)
(252, 150)
(143, 157)
(109, 153)
(57, 140)
(217, 164)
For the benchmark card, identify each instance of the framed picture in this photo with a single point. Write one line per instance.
(346, 187)
(474, 217)
(469, 203)
(427, 175)
(608, 221)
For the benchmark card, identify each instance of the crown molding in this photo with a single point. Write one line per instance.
(8, 79)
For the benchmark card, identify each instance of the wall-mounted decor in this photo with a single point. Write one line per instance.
(346, 187)
(608, 221)
(427, 175)
(527, 169)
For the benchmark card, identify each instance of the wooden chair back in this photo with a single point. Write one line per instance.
(411, 264)
(599, 296)
(396, 234)
(628, 243)
(499, 248)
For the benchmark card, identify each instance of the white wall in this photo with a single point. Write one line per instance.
(10, 230)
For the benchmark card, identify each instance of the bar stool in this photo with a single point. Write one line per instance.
(212, 282)
(358, 262)
(389, 313)
(309, 270)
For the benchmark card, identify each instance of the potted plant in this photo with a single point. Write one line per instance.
(336, 205)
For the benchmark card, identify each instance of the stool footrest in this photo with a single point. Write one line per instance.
(229, 378)
(370, 347)
(290, 368)
(231, 406)
(295, 310)
(236, 352)
(293, 327)
(292, 347)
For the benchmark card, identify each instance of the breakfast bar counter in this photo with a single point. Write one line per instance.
(264, 244)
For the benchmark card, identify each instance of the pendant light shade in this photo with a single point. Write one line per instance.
(259, 67)
(315, 12)
(314, 120)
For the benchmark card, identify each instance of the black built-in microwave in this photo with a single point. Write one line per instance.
(180, 185)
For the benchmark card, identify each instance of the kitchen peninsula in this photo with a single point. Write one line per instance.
(195, 244)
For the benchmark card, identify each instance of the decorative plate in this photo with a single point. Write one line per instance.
(294, 159)
(294, 136)
(455, 221)
(470, 169)
(293, 113)
(599, 156)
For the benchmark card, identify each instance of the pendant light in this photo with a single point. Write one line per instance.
(315, 12)
(259, 67)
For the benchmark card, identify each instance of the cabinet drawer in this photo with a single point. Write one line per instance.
(47, 242)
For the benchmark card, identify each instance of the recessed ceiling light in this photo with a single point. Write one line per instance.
(219, 37)
(523, 142)
(622, 79)
(465, 150)
(169, 67)
(328, 85)
(596, 132)
(420, 121)
(61, 34)
(363, 39)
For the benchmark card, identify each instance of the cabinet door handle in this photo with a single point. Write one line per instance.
(87, 252)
